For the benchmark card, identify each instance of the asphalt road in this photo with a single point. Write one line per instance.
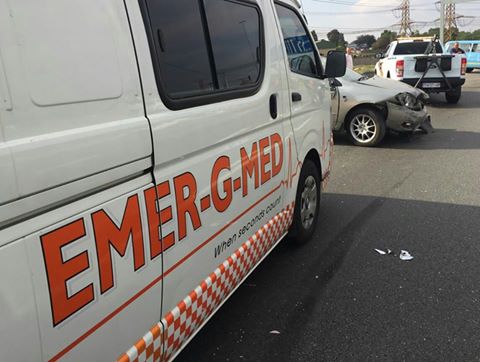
(336, 299)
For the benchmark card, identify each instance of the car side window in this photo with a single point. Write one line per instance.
(204, 49)
(299, 46)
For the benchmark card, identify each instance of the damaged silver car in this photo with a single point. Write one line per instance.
(367, 107)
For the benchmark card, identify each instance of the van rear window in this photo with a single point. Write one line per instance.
(204, 49)
(417, 47)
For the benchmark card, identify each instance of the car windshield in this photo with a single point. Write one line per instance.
(415, 47)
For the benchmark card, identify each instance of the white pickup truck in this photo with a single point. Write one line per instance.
(423, 63)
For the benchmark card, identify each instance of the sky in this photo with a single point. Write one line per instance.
(355, 17)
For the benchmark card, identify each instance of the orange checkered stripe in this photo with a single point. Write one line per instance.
(189, 315)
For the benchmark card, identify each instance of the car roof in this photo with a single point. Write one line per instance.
(463, 41)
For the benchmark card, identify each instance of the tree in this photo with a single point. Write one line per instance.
(336, 38)
(325, 44)
(385, 38)
(365, 41)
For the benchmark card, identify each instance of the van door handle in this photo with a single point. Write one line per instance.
(296, 97)
(273, 106)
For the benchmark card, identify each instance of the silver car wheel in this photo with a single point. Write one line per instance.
(363, 128)
(309, 202)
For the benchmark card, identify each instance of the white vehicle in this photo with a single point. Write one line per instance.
(422, 63)
(152, 153)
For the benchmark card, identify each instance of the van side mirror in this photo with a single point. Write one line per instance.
(336, 64)
(379, 55)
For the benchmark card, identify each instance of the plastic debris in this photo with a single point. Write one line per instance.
(274, 332)
(405, 255)
(383, 252)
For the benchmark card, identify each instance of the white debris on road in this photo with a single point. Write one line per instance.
(405, 255)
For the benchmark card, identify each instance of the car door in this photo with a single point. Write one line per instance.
(76, 148)
(217, 98)
(381, 62)
(310, 97)
(474, 57)
(335, 92)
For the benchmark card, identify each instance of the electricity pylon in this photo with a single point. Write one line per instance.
(405, 22)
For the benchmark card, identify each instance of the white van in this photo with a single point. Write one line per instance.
(152, 153)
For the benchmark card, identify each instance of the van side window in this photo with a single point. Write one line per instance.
(235, 35)
(182, 52)
(204, 51)
(298, 43)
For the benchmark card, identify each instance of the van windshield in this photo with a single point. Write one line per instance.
(415, 47)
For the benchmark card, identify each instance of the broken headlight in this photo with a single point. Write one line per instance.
(408, 100)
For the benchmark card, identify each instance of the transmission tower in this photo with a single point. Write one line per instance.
(450, 21)
(405, 22)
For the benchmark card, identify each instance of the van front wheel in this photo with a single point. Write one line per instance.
(307, 203)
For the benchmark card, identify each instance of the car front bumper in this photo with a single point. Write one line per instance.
(403, 119)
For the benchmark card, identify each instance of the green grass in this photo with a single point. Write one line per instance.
(364, 68)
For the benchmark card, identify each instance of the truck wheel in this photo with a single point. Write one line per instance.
(307, 204)
(469, 70)
(453, 96)
(366, 127)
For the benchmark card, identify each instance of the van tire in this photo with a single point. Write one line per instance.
(370, 116)
(307, 200)
(453, 96)
(469, 70)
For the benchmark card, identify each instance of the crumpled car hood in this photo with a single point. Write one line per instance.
(377, 89)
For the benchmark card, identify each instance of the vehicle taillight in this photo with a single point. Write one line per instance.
(400, 66)
(464, 65)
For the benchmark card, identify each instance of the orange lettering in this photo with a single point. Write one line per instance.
(249, 168)
(276, 141)
(222, 163)
(157, 244)
(186, 204)
(59, 271)
(107, 234)
(264, 160)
